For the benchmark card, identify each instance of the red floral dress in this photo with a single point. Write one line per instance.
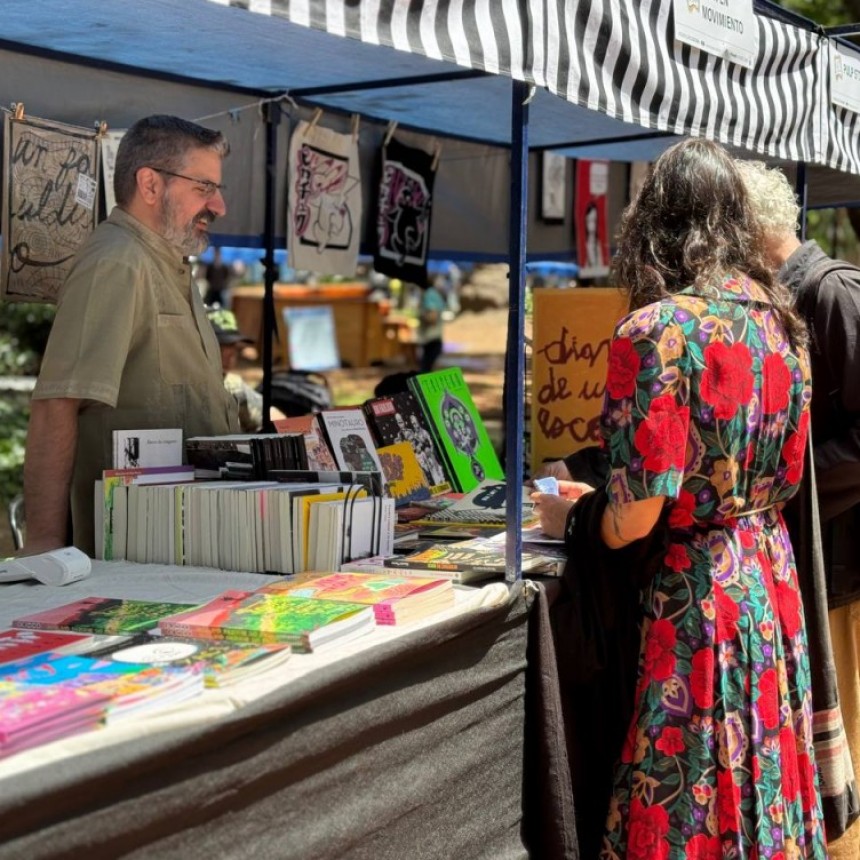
(707, 405)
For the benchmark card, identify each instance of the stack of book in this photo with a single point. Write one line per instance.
(223, 664)
(131, 689)
(395, 599)
(34, 715)
(245, 525)
(303, 623)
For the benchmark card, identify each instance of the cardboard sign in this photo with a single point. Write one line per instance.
(570, 350)
(49, 204)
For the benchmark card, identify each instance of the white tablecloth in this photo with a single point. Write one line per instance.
(190, 585)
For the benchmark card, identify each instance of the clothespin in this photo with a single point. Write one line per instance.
(392, 127)
(436, 156)
(101, 127)
(315, 119)
(18, 110)
(356, 124)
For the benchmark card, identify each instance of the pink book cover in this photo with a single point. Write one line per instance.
(195, 621)
(384, 592)
(25, 709)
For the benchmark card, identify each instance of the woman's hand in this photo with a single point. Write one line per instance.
(573, 489)
(553, 512)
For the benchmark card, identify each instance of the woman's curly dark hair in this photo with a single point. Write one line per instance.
(690, 225)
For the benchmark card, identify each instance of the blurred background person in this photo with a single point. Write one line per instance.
(248, 399)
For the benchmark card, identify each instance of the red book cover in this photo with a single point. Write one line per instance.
(18, 644)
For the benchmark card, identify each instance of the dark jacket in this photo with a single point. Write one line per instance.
(828, 295)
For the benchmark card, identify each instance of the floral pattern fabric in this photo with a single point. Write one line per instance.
(707, 405)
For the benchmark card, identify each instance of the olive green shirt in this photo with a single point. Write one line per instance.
(131, 340)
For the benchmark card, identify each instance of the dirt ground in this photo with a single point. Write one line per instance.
(474, 341)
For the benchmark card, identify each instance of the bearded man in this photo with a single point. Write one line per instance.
(131, 346)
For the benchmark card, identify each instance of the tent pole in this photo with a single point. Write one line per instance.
(514, 387)
(802, 190)
(271, 115)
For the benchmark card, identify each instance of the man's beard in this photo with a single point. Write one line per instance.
(185, 237)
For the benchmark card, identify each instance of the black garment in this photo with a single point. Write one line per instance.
(430, 351)
(828, 296)
(596, 623)
(217, 280)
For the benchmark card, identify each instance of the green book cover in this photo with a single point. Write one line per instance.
(298, 621)
(102, 615)
(450, 412)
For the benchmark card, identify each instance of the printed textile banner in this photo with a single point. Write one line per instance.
(404, 207)
(324, 201)
(110, 144)
(50, 196)
(592, 234)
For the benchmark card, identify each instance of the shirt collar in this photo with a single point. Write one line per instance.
(732, 288)
(159, 245)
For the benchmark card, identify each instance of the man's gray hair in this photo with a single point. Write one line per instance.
(160, 141)
(771, 197)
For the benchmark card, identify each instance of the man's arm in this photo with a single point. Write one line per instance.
(52, 437)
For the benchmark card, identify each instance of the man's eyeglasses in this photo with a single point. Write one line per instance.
(207, 186)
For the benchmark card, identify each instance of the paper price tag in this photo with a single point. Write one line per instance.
(85, 192)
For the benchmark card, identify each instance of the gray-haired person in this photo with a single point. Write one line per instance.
(130, 347)
(827, 293)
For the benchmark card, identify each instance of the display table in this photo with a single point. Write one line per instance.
(408, 745)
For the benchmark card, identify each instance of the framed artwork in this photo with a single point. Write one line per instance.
(553, 188)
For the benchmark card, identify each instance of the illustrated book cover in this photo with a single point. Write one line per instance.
(223, 663)
(303, 623)
(349, 440)
(462, 440)
(466, 561)
(399, 418)
(319, 456)
(134, 449)
(32, 715)
(395, 599)
(484, 506)
(18, 644)
(101, 615)
(405, 481)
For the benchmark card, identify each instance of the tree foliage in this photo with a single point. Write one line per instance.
(828, 13)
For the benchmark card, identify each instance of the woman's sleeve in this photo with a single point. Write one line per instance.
(646, 412)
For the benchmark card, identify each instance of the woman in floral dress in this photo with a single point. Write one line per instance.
(706, 414)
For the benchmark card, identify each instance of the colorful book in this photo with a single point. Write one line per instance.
(132, 688)
(222, 663)
(20, 644)
(399, 418)
(461, 438)
(303, 623)
(395, 599)
(34, 715)
(349, 440)
(484, 506)
(405, 481)
(319, 456)
(466, 561)
(102, 615)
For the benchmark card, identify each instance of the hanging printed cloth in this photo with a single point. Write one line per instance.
(324, 201)
(403, 213)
